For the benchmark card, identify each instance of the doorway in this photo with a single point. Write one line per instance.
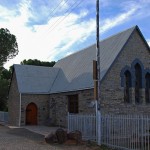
(31, 114)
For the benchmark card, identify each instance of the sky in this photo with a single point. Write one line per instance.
(49, 30)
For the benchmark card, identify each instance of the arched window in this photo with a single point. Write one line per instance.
(127, 86)
(138, 82)
(147, 88)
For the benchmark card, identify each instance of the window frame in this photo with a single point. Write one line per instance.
(73, 104)
(147, 87)
(138, 82)
(127, 86)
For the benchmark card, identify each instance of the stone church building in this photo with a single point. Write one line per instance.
(39, 95)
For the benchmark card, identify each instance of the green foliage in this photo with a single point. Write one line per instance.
(38, 62)
(4, 86)
(8, 50)
(5, 76)
(8, 46)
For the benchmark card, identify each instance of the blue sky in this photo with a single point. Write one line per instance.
(49, 30)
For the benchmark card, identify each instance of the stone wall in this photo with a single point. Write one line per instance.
(14, 103)
(41, 102)
(112, 92)
(58, 105)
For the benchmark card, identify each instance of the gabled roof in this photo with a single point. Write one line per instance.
(77, 69)
(74, 72)
(35, 79)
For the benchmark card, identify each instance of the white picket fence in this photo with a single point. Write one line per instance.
(3, 116)
(123, 132)
(126, 132)
(84, 123)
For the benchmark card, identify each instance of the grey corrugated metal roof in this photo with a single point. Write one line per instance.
(73, 72)
(35, 79)
(76, 69)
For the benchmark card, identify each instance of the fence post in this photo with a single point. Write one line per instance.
(68, 122)
(98, 124)
(142, 134)
(3, 117)
(99, 127)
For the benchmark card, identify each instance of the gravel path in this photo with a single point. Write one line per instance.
(23, 139)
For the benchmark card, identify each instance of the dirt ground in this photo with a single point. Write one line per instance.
(23, 139)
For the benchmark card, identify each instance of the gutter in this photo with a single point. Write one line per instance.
(20, 111)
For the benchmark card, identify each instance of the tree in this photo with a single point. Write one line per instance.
(5, 74)
(8, 46)
(5, 77)
(38, 62)
(8, 50)
(4, 87)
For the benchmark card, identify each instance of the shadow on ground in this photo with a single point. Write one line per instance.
(26, 134)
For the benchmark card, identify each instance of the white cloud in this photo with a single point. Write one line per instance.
(117, 20)
(131, 10)
(59, 35)
(69, 53)
(6, 14)
(46, 42)
(146, 2)
(69, 33)
(148, 41)
(24, 9)
(141, 5)
(64, 4)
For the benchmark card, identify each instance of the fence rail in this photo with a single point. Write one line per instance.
(123, 132)
(126, 132)
(3, 116)
(84, 123)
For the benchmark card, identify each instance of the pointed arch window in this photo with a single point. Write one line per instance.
(127, 86)
(138, 82)
(147, 88)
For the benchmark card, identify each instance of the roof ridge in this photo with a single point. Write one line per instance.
(54, 80)
(32, 66)
(75, 53)
(133, 27)
(78, 66)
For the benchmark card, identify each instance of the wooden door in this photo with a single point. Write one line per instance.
(31, 114)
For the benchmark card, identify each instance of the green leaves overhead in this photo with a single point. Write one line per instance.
(38, 62)
(8, 46)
